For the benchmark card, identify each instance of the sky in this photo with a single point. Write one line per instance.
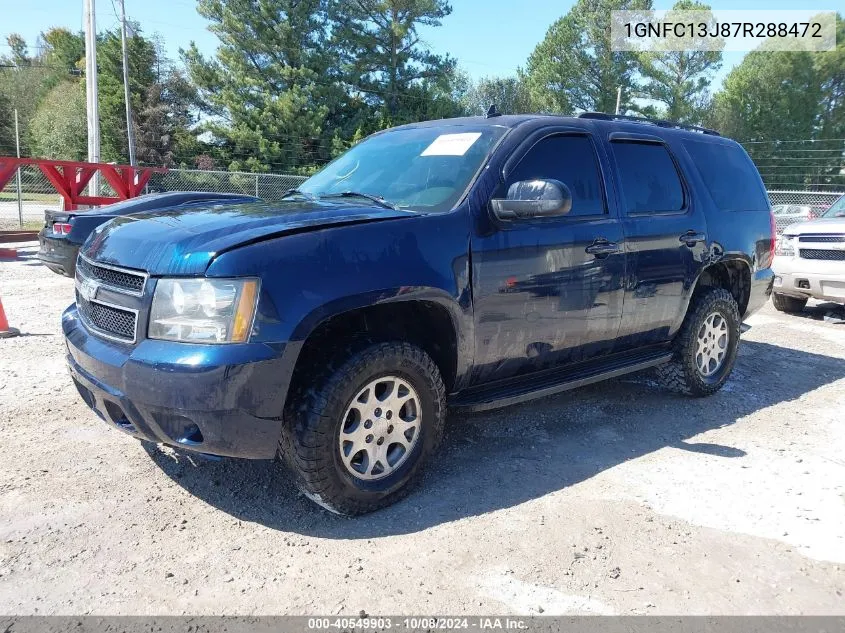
(488, 37)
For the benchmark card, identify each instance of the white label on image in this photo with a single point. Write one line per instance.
(451, 144)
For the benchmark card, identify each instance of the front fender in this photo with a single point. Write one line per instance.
(309, 277)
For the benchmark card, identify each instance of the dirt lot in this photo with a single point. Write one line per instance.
(619, 498)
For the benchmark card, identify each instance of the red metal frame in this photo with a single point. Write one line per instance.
(71, 177)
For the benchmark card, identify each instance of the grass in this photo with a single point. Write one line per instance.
(29, 197)
(28, 225)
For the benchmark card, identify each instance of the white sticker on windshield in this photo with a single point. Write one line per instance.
(451, 144)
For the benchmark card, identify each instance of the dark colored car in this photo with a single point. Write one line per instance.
(65, 231)
(468, 263)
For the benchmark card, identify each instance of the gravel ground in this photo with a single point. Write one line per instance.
(619, 498)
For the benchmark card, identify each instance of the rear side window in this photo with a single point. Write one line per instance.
(729, 176)
(570, 159)
(650, 181)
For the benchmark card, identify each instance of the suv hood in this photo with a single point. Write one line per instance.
(819, 226)
(184, 242)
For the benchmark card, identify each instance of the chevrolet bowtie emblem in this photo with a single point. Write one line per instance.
(88, 289)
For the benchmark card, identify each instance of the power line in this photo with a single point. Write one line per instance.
(807, 140)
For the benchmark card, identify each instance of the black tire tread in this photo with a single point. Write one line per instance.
(785, 303)
(306, 449)
(680, 374)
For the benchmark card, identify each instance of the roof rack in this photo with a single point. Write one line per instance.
(601, 116)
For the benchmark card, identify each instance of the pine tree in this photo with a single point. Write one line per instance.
(267, 91)
(383, 59)
(574, 67)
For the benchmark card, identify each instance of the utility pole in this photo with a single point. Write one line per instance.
(91, 95)
(618, 98)
(18, 173)
(130, 130)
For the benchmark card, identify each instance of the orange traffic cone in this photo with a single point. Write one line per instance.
(5, 330)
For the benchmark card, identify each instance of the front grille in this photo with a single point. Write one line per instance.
(117, 279)
(109, 320)
(819, 253)
(821, 238)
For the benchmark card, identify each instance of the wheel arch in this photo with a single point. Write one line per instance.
(427, 317)
(731, 273)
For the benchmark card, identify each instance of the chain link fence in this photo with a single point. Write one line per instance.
(267, 186)
(38, 195)
(793, 206)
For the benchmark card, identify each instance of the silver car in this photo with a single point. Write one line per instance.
(789, 214)
(810, 261)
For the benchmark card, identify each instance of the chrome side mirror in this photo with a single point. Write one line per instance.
(533, 199)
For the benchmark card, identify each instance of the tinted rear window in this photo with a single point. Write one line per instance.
(650, 181)
(729, 176)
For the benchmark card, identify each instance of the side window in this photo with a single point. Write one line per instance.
(570, 159)
(649, 178)
(729, 175)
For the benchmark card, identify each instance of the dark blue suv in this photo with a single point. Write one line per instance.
(467, 263)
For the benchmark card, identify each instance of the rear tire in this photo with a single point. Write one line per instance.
(385, 403)
(785, 303)
(706, 346)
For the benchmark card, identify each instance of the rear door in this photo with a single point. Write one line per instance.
(665, 237)
(549, 291)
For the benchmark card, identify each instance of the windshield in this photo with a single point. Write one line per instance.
(836, 210)
(424, 169)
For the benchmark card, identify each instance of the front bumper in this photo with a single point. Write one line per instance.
(810, 278)
(216, 399)
(59, 255)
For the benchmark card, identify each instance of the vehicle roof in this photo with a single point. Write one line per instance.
(591, 121)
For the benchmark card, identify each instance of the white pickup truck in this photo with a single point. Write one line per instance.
(810, 261)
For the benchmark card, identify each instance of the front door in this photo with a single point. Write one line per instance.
(549, 291)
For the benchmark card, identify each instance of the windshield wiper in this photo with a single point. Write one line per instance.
(299, 192)
(357, 194)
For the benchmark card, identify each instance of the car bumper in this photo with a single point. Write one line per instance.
(215, 399)
(58, 255)
(810, 279)
(761, 289)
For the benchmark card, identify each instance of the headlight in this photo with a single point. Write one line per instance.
(785, 246)
(203, 310)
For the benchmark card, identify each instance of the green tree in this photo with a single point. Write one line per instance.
(574, 68)
(59, 127)
(141, 53)
(382, 55)
(163, 101)
(771, 96)
(266, 92)
(509, 94)
(166, 122)
(830, 68)
(7, 127)
(22, 86)
(63, 51)
(679, 81)
(19, 55)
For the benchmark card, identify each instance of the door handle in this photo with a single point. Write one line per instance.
(691, 238)
(602, 248)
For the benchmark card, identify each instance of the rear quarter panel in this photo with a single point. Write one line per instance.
(739, 234)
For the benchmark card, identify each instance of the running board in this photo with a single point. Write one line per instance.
(504, 393)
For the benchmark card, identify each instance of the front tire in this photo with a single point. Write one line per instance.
(785, 303)
(706, 346)
(357, 439)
